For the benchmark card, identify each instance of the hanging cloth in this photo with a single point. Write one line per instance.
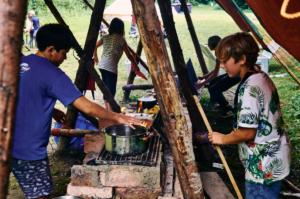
(90, 85)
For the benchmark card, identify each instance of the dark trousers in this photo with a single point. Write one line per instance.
(110, 81)
(220, 84)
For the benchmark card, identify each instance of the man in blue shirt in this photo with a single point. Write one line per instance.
(41, 84)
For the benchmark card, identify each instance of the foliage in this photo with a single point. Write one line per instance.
(241, 3)
(65, 6)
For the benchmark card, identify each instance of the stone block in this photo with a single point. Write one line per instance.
(130, 176)
(137, 193)
(90, 192)
(94, 143)
(82, 175)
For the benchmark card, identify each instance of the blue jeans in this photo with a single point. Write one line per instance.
(261, 191)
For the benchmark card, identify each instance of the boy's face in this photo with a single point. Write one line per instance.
(232, 67)
(57, 57)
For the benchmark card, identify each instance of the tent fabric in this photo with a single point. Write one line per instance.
(123, 10)
(241, 20)
(283, 30)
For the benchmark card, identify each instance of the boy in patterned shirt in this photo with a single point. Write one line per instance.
(263, 145)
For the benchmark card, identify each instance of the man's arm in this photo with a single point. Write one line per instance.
(235, 137)
(93, 109)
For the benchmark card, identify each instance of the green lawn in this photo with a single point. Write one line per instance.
(207, 22)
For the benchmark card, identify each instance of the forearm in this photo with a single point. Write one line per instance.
(234, 137)
(93, 109)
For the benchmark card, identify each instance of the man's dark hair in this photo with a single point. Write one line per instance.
(213, 42)
(116, 26)
(56, 35)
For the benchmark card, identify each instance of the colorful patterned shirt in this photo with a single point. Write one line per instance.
(266, 158)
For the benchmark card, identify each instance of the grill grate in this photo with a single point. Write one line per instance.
(148, 158)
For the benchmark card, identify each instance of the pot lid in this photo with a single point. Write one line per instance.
(147, 99)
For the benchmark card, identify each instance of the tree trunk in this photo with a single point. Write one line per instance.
(12, 22)
(178, 133)
(194, 36)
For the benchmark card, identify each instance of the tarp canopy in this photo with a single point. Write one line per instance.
(284, 28)
(123, 10)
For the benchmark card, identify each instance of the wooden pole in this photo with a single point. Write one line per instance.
(12, 17)
(132, 74)
(219, 151)
(179, 63)
(194, 36)
(177, 131)
(72, 132)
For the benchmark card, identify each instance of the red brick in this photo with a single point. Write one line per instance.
(85, 176)
(137, 193)
(90, 192)
(130, 176)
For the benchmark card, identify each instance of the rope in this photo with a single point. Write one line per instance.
(284, 14)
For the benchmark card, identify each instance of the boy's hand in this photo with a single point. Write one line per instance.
(200, 83)
(96, 60)
(216, 138)
(124, 119)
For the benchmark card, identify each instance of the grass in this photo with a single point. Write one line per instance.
(207, 22)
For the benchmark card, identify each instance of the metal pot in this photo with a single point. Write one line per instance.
(146, 102)
(124, 140)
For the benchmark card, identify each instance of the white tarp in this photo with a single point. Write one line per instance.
(123, 10)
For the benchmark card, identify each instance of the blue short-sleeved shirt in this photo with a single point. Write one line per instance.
(41, 84)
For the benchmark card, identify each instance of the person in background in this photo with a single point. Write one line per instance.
(263, 144)
(27, 28)
(41, 84)
(217, 82)
(113, 46)
(35, 27)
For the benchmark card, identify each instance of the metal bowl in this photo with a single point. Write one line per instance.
(67, 197)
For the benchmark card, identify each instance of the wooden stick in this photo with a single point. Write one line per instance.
(72, 132)
(218, 149)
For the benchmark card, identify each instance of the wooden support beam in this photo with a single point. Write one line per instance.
(194, 36)
(179, 63)
(132, 74)
(178, 133)
(12, 17)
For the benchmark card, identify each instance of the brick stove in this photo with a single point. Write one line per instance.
(128, 177)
